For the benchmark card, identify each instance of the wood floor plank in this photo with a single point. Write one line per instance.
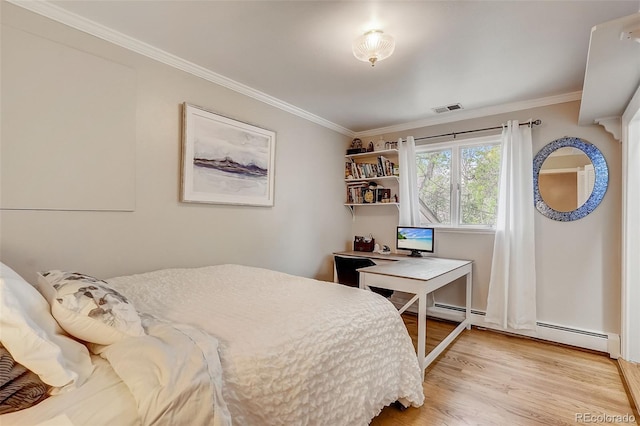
(489, 378)
(631, 375)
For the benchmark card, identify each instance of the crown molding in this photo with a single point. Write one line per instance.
(56, 13)
(474, 113)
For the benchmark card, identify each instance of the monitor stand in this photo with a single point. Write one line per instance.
(415, 253)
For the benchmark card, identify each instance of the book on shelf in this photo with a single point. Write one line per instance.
(381, 161)
(382, 168)
(362, 193)
(355, 192)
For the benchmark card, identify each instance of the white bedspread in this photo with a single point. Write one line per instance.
(173, 373)
(294, 351)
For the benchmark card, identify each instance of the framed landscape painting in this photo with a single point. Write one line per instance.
(225, 161)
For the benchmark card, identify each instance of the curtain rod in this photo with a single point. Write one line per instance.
(530, 123)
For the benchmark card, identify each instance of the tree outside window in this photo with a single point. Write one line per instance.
(458, 182)
(434, 186)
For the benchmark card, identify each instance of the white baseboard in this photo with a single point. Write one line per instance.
(559, 334)
(596, 341)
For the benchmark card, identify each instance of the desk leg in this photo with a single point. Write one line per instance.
(362, 281)
(422, 331)
(468, 313)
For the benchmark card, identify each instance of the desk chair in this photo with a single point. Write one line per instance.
(346, 269)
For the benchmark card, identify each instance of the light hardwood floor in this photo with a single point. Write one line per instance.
(631, 374)
(489, 378)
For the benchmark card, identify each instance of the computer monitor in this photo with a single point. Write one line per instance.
(416, 239)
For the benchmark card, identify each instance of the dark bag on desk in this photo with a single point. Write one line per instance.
(363, 243)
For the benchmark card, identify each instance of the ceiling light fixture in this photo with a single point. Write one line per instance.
(373, 46)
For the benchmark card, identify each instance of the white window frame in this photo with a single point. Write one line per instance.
(456, 146)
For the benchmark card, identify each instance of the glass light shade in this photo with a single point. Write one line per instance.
(373, 46)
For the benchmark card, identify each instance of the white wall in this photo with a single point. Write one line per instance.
(307, 222)
(630, 337)
(578, 263)
(43, 140)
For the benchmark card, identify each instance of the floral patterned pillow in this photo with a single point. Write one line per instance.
(88, 309)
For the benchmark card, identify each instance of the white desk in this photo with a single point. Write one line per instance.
(421, 276)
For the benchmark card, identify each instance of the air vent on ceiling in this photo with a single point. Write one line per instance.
(447, 108)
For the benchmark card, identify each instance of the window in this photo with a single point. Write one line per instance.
(458, 182)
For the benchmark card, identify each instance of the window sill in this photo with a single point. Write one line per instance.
(470, 230)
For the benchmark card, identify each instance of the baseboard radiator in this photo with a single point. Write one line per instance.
(586, 339)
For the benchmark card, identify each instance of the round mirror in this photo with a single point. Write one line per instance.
(566, 179)
(570, 179)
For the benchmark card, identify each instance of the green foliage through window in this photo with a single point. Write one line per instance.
(434, 185)
(458, 183)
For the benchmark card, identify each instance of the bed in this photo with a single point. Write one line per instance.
(232, 344)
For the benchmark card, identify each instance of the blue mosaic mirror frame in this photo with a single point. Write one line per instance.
(599, 188)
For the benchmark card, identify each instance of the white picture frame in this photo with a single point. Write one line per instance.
(225, 161)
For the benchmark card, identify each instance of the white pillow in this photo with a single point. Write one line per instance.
(34, 338)
(88, 309)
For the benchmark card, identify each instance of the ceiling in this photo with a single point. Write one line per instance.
(613, 70)
(297, 54)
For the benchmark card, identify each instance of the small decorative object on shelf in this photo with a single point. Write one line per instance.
(368, 196)
(356, 147)
(379, 145)
(356, 150)
(383, 195)
(391, 145)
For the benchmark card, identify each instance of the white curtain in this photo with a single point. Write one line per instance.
(511, 302)
(409, 210)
